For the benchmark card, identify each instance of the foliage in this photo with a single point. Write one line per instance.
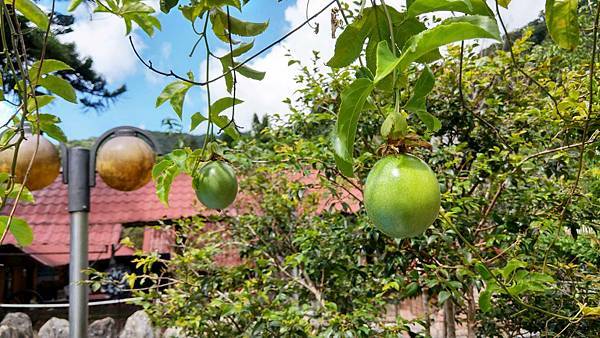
(314, 267)
(512, 161)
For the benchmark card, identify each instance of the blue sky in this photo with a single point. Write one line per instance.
(102, 37)
(168, 49)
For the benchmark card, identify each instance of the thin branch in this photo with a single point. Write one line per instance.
(170, 73)
(488, 210)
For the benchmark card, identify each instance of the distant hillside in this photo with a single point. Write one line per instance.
(166, 141)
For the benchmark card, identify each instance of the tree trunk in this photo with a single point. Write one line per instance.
(427, 309)
(471, 324)
(449, 323)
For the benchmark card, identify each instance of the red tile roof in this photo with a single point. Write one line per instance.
(110, 209)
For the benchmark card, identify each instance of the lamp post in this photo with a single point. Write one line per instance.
(123, 157)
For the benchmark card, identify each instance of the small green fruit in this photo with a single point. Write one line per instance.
(216, 185)
(402, 196)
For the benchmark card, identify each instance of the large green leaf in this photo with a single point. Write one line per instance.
(451, 30)
(373, 25)
(353, 101)
(350, 43)
(31, 11)
(18, 228)
(59, 86)
(562, 22)
(473, 7)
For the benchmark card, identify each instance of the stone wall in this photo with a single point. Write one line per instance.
(138, 325)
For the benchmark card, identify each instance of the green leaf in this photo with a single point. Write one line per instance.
(562, 22)
(244, 28)
(483, 271)
(19, 229)
(350, 43)
(394, 125)
(511, 266)
(197, 118)
(443, 296)
(472, 7)
(25, 196)
(31, 11)
(223, 121)
(166, 5)
(59, 86)
(48, 66)
(223, 103)
(73, 5)
(243, 70)
(504, 3)
(417, 103)
(431, 122)
(147, 23)
(54, 131)
(222, 25)
(239, 50)
(451, 30)
(39, 102)
(353, 100)
(175, 93)
(485, 301)
(409, 28)
(163, 175)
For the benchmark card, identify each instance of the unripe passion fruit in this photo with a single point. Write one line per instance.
(45, 167)
(216, 185)
(125, 163)
(402, 196)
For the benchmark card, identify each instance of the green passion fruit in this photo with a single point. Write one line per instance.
(216, 185)
(402, 196)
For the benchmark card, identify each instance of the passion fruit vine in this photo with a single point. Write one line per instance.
(402, 196)
(216, 185)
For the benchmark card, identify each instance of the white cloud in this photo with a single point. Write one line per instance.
(161, 62)
(266, 96)
(102, 37)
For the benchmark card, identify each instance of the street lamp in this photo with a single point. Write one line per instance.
(123, 157)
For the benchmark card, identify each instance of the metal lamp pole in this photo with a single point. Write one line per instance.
(79, 173)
